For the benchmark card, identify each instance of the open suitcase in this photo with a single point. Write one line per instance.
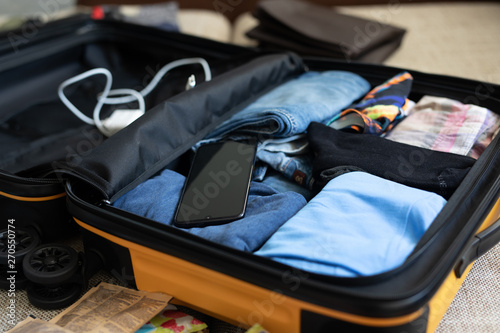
(243, 288)
(37, 130)
(229, 284)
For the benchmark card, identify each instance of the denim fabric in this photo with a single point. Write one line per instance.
(293, 145)
(298, 169)
(266, 211)
(358, 225)
(259, 171)
(281, 184)
(288, 109)
(290, 156)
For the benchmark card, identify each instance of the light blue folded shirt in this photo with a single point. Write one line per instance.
(358, 225)
(288, 109)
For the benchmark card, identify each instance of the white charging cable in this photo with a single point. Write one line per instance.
(80, 77)
(161, 73)
(119, 118)
(122, 118)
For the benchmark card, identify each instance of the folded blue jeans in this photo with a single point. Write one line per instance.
(288, 109)
(358, 225)
(282, 184)
(290, 156)
(266, 211)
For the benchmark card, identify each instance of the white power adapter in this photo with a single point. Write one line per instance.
(120, 119)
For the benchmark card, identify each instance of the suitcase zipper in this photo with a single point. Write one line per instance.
(88, 181)
(21, 187)
(28, 181)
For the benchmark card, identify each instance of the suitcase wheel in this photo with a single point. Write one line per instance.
(13, 248)
(16, 244)
(50, 298)
(51, 265)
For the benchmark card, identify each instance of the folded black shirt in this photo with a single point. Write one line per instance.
(337, 152)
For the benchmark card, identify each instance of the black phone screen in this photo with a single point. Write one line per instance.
(216, 189)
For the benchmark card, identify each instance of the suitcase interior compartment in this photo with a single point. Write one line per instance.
(243, 288)
(37, 130)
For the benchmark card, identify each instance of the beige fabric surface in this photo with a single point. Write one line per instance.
(205, 24)
(459, 39)
(476, 307)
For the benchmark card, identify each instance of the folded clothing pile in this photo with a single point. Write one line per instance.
(337, 152)
(446, 125)
(358, 225)
(370, 185)
(266, 210)
(288, 109)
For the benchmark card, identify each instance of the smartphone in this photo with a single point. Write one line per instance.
(216, 189)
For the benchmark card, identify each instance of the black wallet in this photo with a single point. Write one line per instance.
(310, 29)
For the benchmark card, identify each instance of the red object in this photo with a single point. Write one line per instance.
(172, 324)
(174, 314)
(97, 13)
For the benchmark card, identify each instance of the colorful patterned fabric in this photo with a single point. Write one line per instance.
(171, 320)
(379, 109)
(447, 125)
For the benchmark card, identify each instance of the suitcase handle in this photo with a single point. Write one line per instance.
(479, 245)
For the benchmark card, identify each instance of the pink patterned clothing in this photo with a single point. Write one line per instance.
(447, 125)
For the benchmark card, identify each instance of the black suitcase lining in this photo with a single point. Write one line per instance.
(33, 119)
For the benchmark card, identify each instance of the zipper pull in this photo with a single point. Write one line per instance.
(104, 202)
